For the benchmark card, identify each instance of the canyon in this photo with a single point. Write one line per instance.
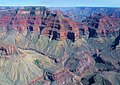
(51, 46)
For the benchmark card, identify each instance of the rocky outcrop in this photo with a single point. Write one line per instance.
(95, 79)
(39, 19)
(116, 42)
(102, 26)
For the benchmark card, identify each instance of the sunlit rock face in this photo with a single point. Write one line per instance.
(39, 19)
(40, 46)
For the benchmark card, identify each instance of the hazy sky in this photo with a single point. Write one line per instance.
(61, 3)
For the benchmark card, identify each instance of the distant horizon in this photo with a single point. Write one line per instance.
(62, 7)
(62, 3)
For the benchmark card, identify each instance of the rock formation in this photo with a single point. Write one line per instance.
(40, 46)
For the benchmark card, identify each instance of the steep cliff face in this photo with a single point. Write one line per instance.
(40, 19)
(39, 46)
(56, 25)
(103, 26)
